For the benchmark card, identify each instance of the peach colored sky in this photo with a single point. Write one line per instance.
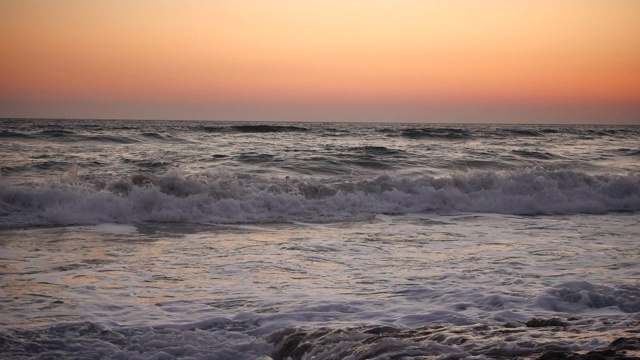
(332, 60)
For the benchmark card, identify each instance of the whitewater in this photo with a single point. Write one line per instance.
(213, 240)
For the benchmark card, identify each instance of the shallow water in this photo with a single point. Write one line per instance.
(470, 274)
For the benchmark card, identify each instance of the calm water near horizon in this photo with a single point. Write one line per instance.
(213, 240)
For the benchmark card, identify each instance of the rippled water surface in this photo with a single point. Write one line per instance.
(141, 240)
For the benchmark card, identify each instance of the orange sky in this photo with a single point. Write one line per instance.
(312, 60)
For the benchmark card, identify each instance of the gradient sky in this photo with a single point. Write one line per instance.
(330, 60)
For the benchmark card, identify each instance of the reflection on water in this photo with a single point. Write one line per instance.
(130, 275)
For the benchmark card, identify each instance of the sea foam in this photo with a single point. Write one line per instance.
(226, 197)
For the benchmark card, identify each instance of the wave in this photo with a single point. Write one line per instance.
(66, 136)
(253, 129)
(627, 152)
(14, 135)
(536, 154)
(447, 133)
(579, 296)
(436, 133)
(257, 158)
(110, 139)
(501, 132)
(526, 132)
(213, 129)
(377, 150)
(147, 163)
(162, 137)
(267, 128)
(611, 132)
(56, 133)
(152, 135)
(226, 197)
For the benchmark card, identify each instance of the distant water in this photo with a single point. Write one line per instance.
(183, 239)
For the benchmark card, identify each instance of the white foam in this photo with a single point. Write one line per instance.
(464, 284)
(582, 296)
(231, 198)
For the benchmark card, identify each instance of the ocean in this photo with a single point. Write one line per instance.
(227, 240)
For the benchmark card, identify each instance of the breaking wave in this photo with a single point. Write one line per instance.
(226, 197)
(579, 296)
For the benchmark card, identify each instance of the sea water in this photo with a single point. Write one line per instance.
(210, 240)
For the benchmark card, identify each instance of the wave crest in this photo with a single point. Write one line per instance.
(226, 197)
(574, 297)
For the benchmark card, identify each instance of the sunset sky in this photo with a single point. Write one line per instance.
(330, 60)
